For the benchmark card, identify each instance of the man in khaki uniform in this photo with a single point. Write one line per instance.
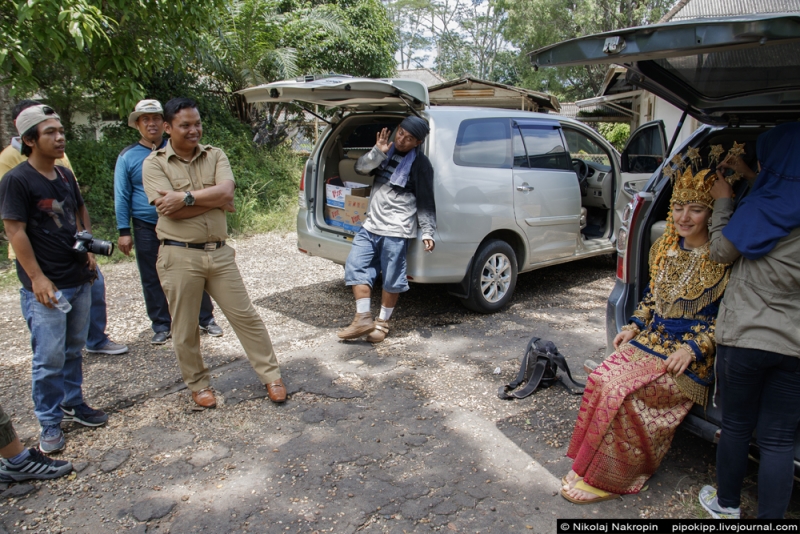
(191, 186)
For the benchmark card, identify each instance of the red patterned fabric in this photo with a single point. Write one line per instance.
(629, 412)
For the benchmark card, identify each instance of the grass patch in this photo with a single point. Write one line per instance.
(282, 217)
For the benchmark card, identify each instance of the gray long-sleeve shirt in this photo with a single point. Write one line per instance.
(395, 211)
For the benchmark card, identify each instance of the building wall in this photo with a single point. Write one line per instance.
(668, 113)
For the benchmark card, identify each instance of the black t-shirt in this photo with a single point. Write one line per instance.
(49, 208)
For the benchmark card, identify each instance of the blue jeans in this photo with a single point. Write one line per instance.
(760, 391)
(57, 339)
(97, 338)
(146, 243)
(373, 254)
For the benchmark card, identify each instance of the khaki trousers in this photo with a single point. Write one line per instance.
(185, 273)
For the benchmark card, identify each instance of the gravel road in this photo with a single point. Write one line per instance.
(405, 436)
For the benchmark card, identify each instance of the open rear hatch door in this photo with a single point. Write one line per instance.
(352, 94)
(729, 70)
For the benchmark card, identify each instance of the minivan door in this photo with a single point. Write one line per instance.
(547, 195)
(642, 156)
(726, 70)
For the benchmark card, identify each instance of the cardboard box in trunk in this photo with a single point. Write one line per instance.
(334, 216)
(335, 195)
(355, 212)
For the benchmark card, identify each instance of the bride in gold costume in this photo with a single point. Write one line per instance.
(664, 360)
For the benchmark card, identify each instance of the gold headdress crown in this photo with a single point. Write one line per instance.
(692, 186)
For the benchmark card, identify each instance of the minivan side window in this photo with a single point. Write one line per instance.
(582, 147)
(544, 147)
(483, 143)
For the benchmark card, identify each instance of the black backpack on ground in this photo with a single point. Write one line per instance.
(540, 365)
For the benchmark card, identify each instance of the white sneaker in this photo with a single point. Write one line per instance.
(109, 348)
(708, 500)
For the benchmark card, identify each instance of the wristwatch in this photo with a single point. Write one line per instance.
(188, 198)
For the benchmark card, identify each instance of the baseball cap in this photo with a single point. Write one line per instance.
(144, 106)
(30, 117)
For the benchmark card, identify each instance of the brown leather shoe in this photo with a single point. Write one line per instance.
(205, 398)
(277, 391)
(362, 324)
(380, 332)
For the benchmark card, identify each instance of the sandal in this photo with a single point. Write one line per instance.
(583, 486)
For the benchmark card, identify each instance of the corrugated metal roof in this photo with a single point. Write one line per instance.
(594, 113)
(426, 76)
(439, 95)
(692, 9)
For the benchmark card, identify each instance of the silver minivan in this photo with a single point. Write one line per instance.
(514, 190)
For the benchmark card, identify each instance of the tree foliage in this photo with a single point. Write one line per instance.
(616, 133)
(260, 41)
(103, 46)
(366, 48)
(459, 37)
(533, 24)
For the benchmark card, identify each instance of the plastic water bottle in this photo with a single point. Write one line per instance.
(62, 304)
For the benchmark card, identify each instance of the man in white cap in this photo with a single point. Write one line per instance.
(97, 340)
(42, 210)
(132, 207)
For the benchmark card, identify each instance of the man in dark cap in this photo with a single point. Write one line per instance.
(402, 198)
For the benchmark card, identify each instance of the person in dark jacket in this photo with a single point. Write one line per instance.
(402, 199)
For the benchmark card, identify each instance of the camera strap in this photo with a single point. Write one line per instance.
(66, 180)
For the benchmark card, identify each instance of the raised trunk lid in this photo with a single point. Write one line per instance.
(728, 70)
(353, 94)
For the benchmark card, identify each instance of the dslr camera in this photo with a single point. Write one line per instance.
(85, 242)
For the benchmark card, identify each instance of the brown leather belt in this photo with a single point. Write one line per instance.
(200, 246)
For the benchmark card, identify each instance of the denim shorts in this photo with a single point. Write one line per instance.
(374, 254)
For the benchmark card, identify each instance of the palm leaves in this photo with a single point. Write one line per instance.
(248, 48)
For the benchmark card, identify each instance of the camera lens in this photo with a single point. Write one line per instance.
(103, 248)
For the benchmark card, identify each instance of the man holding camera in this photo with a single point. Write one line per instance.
(192, 186)
(97, 341)
(42, 210)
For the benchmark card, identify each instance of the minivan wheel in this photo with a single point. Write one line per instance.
(493, 277)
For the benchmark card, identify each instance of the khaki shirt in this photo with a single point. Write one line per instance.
(761, 306)
(163, 170)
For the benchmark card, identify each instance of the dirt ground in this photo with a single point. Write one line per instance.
(404, 436)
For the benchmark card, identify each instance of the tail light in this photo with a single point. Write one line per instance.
(622, 244)
(301, 199)
(623, 235)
